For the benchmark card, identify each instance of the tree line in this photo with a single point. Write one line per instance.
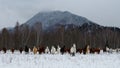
(64, 35)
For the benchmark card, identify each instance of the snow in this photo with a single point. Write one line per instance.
(50, 18)
(17, 60)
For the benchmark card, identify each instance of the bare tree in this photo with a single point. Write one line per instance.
(25, 35)
(5, 38)
(38, 29)
(17, 35)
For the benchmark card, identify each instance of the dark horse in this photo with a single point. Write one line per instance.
(85, 49)
(95, 50)
(41, 49)
(62, 50)
(12, 50)
(26, 50)
(21, 49)
(4, 49)
(106, 45)
(67, 50)
(80, 50)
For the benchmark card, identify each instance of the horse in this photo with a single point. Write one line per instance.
(67, 50)
(21, 49)
(12, 50)
(26, 50)
(73, 50)
(80, 50)
(95, 50)
(106, 49)
(0, 49)
(47, 51)
(58, 49)
(86, 49)
(118, 50)
(53, 50)
(62, 50)
(92, 50)
(4, 49)
(41, 49)
(34, 50)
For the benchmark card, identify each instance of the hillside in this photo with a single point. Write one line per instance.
(51, 18)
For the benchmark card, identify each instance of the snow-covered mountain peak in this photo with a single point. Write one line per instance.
(52, 18)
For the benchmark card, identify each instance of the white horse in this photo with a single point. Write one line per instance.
(88, 49)
(118, 50)
(53, 50)
(107, 49)
(58, 49)
(47, 51)
(73, 50)
(110, 50)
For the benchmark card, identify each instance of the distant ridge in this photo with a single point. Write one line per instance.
(51, 18)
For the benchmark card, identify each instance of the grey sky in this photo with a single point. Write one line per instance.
(103, 12)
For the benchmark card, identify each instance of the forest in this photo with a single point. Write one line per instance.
(95, 36)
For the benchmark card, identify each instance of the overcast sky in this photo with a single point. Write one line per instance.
(103, 12)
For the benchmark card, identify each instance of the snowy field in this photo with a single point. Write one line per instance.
(18, 60)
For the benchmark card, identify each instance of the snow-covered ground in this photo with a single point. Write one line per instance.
(16, 60)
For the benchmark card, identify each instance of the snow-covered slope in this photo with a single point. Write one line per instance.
(59, 61)
(52, 18)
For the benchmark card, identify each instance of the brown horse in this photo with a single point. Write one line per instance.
(67, 50)
(4, 50)
(12, 50)
(0, 49)
(41, 49)
(92, 50)
(86, 49)
(21, 49)
(95, 50)
(80, 50)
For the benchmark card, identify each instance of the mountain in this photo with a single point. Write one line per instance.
(50, 19)
(60, 28)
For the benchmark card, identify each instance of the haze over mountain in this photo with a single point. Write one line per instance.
(51, 18)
